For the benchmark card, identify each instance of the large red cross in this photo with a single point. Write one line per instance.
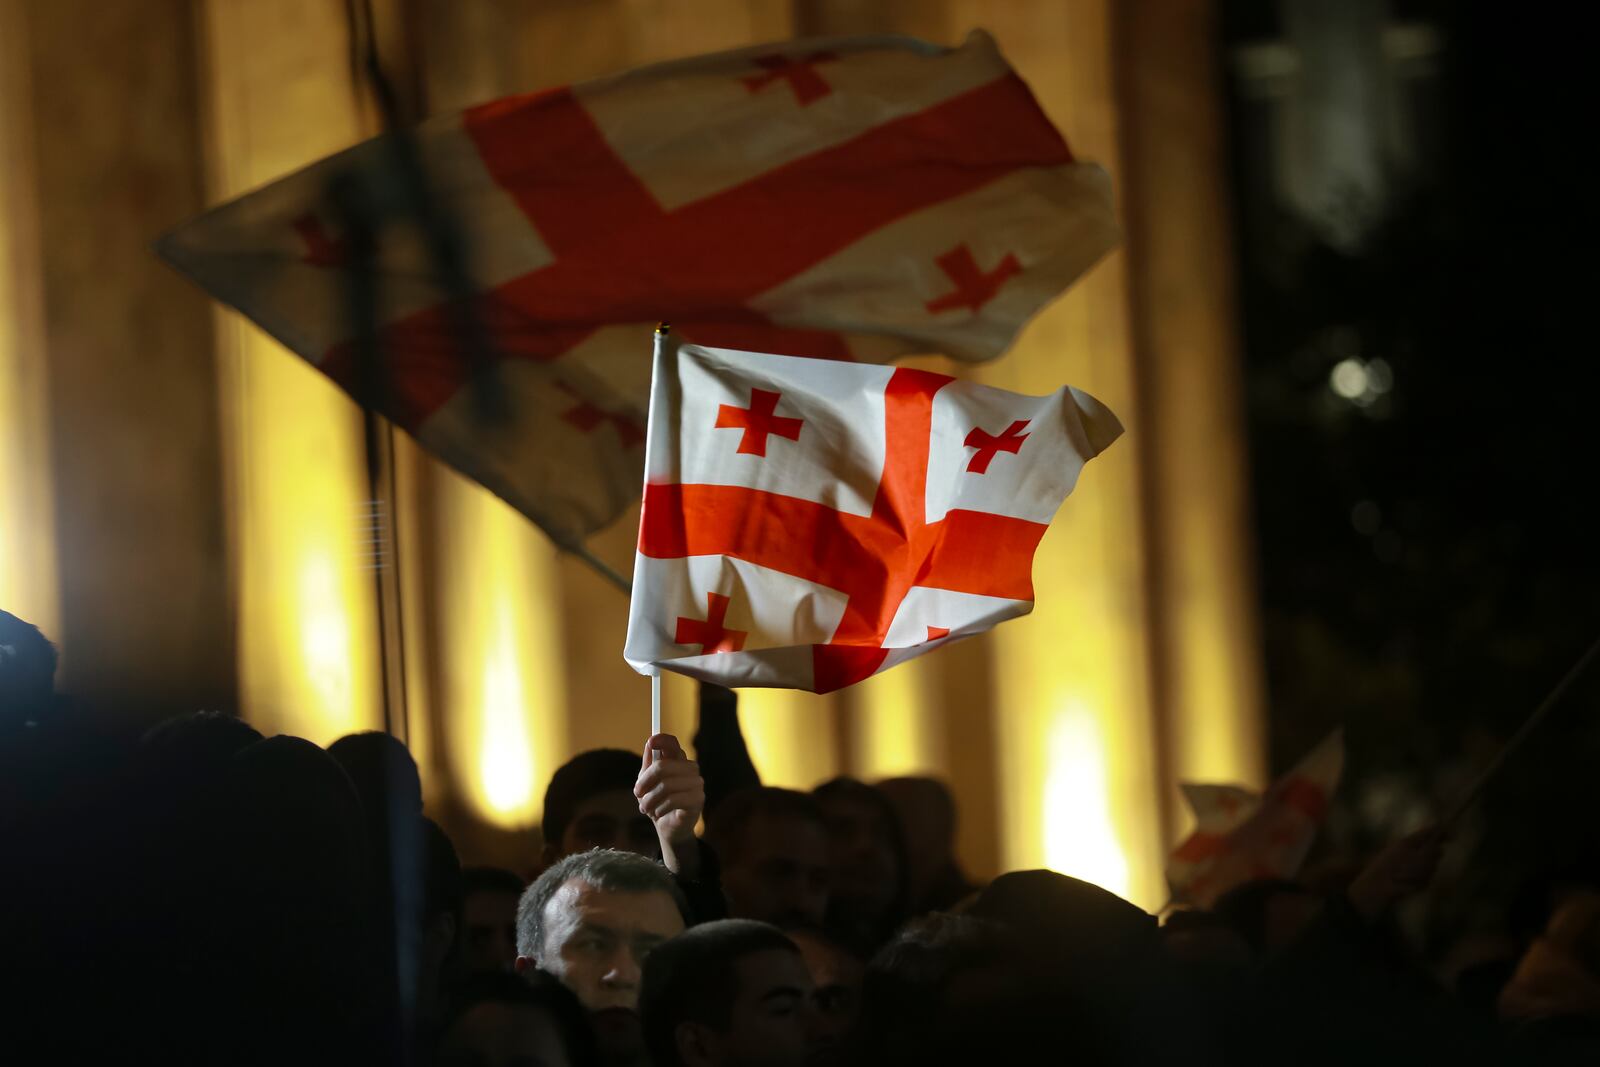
(758, 421)
(801, 74)
(987, 444)
(974, 287)
(875, 559)
(621, 258)
(710, 633)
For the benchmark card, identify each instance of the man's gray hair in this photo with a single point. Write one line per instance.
(603, 868)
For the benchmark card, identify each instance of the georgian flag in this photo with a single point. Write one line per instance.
(1241, 836)
(809, 523)
(856, 199)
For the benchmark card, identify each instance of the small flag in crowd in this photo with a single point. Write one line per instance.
(852, 199)
(1241, 836)
(809, 523)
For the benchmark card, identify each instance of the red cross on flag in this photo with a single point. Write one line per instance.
(1241, 836)
(853, 199)
(809, 523)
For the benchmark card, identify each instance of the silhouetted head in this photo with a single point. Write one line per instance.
(27, 672)
(733, 993)
(503, 1020)
(382, 770)
(870, 893)
(488, 940)
(590, 804)
(774, 849)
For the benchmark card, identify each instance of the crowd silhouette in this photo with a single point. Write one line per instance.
(200, 893)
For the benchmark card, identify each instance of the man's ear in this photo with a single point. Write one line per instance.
(697, 1044)
(525, 964)
(549, 854)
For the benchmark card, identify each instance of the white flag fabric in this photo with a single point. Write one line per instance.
(1241, 836)
(809, 523)
(855, 198)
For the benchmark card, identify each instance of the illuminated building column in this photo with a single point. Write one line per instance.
(1204, 626)
(1072, 704)
(105, 132)
(279, 95)
(28, 585)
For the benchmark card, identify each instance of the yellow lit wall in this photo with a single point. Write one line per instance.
(1179, 257)
(279, 96)
(790, 736)
(895, 723)
(1077, 755)
(27, 519)
(503, 694)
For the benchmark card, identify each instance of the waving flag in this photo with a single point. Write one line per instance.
(807, 524)
(1241, 837)
(851, 199)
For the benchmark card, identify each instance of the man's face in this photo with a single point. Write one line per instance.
(771, 1024)
(610, 820)
(836, 979)
(489, 944)
(596, 942)
(781, 872)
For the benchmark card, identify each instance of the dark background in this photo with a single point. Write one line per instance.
(1426, 546)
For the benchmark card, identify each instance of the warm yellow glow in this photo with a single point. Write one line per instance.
(27, 519)
(279, 96)
(1073, 680)
(324, 628)
(1080, 837)
(895, 725)
(790, 736)
(503, 700)
(409, 518)
(505, 759)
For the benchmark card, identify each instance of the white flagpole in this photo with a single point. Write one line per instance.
(655, 704)
(661, 338)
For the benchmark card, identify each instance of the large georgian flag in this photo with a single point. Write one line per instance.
(808, 523)
(851, 199)
(1240, 836)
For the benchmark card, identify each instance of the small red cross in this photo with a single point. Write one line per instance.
(757, 421)
(588, 417)
(321, 249)
(988, 444)
(710, 634)
(974, 288)
(807, 84)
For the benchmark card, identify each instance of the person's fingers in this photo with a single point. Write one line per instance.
(662, 746)
(668, 803)
(648, 779)
(666, 795)
(652, 799)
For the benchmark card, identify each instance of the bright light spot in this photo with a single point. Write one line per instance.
(324, 626)
(1079, 836)
(1349, 379)
(505, 768)
(1380, 377)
